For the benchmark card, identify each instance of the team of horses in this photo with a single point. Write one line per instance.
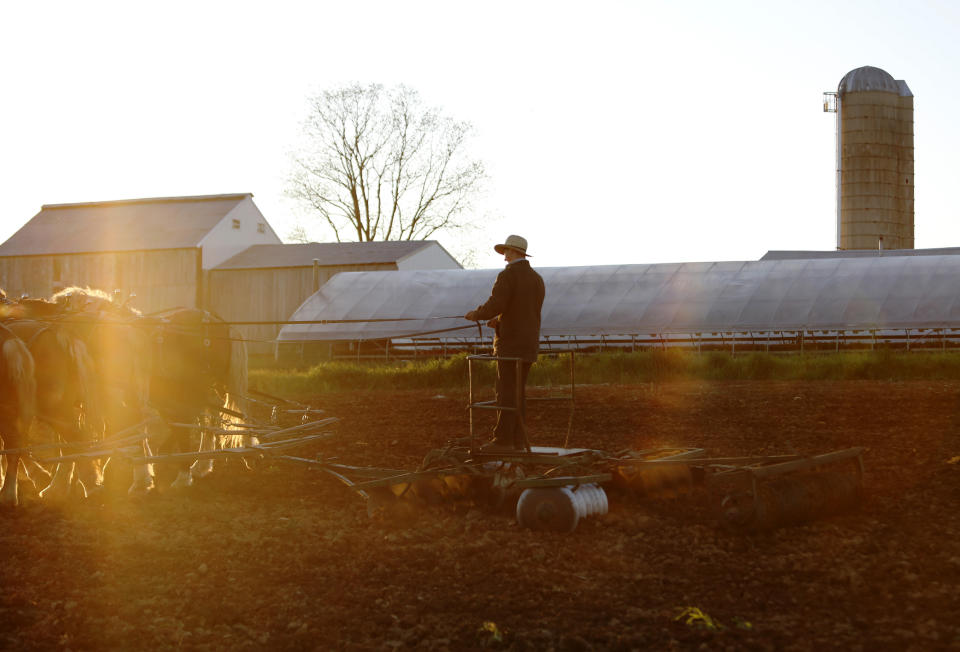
(82, 367)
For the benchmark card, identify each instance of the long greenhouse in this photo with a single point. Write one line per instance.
(906, 299)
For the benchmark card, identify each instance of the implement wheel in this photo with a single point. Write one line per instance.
(552, 509)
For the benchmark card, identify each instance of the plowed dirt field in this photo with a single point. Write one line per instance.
(285, 558)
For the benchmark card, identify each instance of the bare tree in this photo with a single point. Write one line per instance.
(298, 235)
(378, 165)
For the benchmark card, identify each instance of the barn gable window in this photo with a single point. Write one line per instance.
(236, 223)
(261, 227)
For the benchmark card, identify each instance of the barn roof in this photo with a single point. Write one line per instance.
(127, 225)
(768, 295)
(328, 253)
(859, 253)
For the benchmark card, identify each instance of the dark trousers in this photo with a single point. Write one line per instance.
(510, 429)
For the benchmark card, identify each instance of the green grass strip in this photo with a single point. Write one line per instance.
(613, 368)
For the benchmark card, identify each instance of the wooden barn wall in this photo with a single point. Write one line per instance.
(267, 295)
(160, 279)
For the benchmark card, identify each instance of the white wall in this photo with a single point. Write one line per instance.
(431, 257)
(224, 241)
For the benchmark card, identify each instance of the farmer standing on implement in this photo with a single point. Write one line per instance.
(513, 310)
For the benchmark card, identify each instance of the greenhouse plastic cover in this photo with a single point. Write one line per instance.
(712, 297)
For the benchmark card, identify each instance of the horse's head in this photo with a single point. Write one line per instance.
(41, 309)
(194, 342)
(91, 300)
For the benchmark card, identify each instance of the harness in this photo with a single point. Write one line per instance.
(40, 331)
(33, 337)
(202, 329)
(4, 326)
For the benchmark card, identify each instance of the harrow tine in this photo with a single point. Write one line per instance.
(122, 451)
(228, 411)
(28, 450)
(275, 399)
(116, 438)
(325, 468)
(288, 443)
(221, 431)
(807, 462)
(122, 434)
(312, 425)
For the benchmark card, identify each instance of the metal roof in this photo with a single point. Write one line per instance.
(328, 253)
(128, 225)
(860, 253)
(767, 295)
(869, 78)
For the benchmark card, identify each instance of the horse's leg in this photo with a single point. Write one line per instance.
(66, 432)
(89, 470)
(208, 442)
(90, 476)
(8, 478)
(59, 487)
(8, 493)
(181, 444)
(8, 490)
(32, 470)
(143, 483)
(143, 477)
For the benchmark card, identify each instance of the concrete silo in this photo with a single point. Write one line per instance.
(874, 161)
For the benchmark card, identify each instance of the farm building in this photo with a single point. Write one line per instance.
(875, 160)
(839, 299)
(861, 253)
(269, 282)
(157, 249)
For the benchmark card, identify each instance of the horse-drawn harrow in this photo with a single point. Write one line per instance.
(555, 488)
(549, 488)
(260, 439)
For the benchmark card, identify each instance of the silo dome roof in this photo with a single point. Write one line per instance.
(868, 78)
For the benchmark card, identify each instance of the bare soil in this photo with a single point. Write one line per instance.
(285, 558)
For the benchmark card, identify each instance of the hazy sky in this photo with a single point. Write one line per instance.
(613, 132)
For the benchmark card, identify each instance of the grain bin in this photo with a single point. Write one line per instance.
(874, 161)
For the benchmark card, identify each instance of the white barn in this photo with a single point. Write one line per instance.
(158, 249)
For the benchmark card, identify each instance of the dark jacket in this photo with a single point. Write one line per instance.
(517, 298)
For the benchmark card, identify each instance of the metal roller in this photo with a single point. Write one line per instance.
(559, 509)
(651, 480)
(791, 500)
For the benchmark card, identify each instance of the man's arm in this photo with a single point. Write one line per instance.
(498, 301)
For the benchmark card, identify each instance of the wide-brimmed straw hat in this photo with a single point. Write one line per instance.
(513, 242)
